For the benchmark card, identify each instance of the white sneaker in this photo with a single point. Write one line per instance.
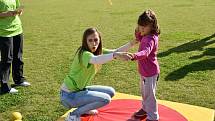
(25, 84)
(92, 112)
(72, 118)
(13, 91)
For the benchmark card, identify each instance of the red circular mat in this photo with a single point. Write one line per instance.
(123, 109)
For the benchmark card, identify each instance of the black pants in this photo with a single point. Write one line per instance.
(11, 49)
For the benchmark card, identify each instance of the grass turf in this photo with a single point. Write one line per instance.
(53, 30)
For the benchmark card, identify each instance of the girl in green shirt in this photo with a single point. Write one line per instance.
(75, 92)
(11, 45)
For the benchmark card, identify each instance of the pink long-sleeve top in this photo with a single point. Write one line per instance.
(147, 55)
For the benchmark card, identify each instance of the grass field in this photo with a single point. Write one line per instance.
(53, 30)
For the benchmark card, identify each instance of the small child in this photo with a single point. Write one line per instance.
(147, 33)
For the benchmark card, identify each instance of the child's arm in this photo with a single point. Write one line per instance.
(18, 11)
(146, 50)
(8, 14)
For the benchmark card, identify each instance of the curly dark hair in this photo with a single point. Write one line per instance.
(148, 17)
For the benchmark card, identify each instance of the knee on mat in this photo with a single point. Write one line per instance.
(106, 99)
(112, 92)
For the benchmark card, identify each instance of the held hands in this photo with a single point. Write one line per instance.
(124, 56)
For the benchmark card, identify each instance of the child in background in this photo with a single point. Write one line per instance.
(11, 45)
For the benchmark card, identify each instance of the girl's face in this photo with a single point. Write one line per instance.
(93, 41)
(144, 29)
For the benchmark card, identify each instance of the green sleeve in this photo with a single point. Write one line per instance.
(107, 51)
(86, 58)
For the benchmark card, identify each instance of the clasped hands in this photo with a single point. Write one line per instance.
(125, 56)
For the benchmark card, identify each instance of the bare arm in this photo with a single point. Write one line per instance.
(18, 11)
(11, 13)
(7, 14)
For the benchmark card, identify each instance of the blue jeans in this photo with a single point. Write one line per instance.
(92, 97)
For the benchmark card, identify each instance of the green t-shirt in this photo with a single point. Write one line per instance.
(81, 73)
(10, 26)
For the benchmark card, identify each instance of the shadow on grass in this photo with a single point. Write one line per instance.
(208, 64)
(207, 52)
(190, 46)
(204, 65)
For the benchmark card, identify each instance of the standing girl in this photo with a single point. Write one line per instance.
(11, 45)
(147, 33)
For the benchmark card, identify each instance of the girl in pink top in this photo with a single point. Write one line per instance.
(147, 35)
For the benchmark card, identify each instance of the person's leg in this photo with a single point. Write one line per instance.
(105, 89)
(84, 101)
(142, 81)
(141, 113)
(149, 99)
(6, 49)
(17, 64)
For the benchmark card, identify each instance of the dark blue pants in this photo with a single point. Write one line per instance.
(11, 49)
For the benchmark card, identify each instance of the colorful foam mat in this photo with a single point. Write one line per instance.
(123, 106)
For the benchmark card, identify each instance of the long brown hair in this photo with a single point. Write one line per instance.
(84, 46)
(148, 17)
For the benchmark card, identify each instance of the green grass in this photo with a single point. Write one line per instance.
(53, 30)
